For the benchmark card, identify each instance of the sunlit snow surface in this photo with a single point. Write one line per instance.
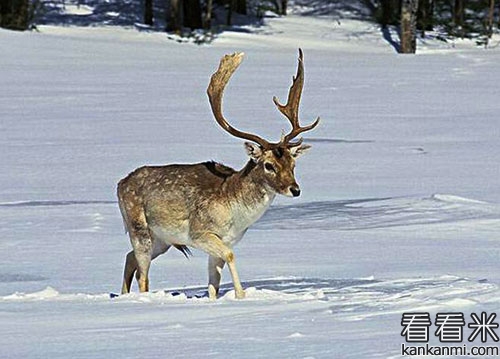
(400, 208)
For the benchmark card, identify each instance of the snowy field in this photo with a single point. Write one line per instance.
(400, 210)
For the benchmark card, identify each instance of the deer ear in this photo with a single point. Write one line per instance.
(253, 150)
(299, 150)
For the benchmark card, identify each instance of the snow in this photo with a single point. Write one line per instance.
(79, 10)
(399, 212)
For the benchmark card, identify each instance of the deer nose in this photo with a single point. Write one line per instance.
(295, 191)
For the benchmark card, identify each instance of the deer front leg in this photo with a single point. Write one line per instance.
(215, 266)
(214, 246)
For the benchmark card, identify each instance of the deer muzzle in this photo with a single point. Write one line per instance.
(295, 190)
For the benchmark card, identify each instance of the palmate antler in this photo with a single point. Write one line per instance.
(215, 91)
(228, 65)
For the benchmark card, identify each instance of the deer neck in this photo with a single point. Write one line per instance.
(249, 196)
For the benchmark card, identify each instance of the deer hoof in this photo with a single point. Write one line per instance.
(239, 294)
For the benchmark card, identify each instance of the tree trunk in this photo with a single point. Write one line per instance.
(230, 7)
(148, 12)
(458, 16)
(14, 14)
(425, 16)
(284, 5)
(175, 16)
(192, 14)
(207, 20)
(489, 21)
(409, 26)
(241, 7)
(390, 12)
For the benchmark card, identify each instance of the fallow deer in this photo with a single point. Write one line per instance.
(210, 206)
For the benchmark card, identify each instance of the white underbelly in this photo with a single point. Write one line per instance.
(172, 236)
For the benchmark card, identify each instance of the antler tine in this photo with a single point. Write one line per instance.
(291, 109)
(228, 65)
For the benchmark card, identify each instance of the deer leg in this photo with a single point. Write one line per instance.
(128, 273)
(214, 246)
(215, 266)
(238, 289)
(143, 264)
(147, 249)
(142, 242)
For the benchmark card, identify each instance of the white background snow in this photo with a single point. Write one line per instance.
(400, 208)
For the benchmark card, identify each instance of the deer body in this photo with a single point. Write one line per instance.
(179, 201)
(208, 206)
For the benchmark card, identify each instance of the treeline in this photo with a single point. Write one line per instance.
(476, 19)
(198, 14)
(16, 14)
(177, 14)
(454, 18)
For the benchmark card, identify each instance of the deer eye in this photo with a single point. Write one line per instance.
(269, 167)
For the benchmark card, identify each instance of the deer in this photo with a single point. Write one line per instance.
(209, 206)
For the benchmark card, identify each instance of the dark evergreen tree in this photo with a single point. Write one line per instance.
(425, 16)
(14, 14)
(241, 7)
(192, 14)
(284, 6)
(148, 12)
(390, 12)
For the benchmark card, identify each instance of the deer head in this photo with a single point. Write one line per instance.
(275, 161)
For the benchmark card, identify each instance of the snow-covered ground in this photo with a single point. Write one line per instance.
(400, 209)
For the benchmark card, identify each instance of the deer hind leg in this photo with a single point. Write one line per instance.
(131, 264)
(132, 210)
(128, 273)
(142, 243)
(215, 266)
(214, 246)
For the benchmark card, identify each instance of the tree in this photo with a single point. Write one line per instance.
(175, 16)
(390, 12)
(14, 14)
(489, 20)
(148, 12)
(458, 16)
(207, 20)
(284, 5)
(409, 26)
(241, 7)
(192, 14)
(231, 4)
(425, 16)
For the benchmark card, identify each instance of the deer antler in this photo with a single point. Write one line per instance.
(291, 109)
(228, 65)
